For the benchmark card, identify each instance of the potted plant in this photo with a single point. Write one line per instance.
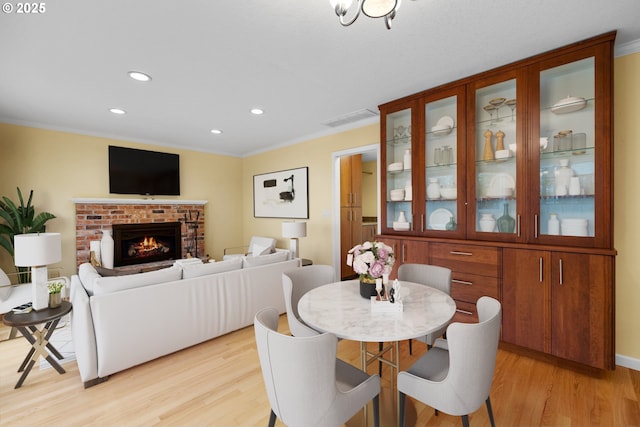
(20, 219)
(371, 260)
(55, 293)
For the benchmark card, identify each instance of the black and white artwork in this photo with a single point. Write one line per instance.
(283, 194)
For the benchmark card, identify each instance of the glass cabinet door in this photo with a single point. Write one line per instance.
(398, 155)
(497, 144)
(443, 157)
(567, 159)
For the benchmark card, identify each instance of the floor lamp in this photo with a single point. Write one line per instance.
(37, 250)
(294, 230)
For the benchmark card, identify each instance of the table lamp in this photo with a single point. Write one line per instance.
(37, 250)
(294, 230)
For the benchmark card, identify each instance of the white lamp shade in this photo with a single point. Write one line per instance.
(294, 229)
(37, 249)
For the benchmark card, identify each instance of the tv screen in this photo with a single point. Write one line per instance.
(133, 171)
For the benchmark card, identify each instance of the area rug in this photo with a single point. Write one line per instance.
(63, 342)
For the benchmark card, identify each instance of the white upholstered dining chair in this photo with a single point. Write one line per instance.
(306, 384)
(429, 275)
(296, 283)
(455, 375)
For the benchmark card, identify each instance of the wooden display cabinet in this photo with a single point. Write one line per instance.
(531, 142)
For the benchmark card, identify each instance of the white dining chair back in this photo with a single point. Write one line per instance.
(458, 380)
(306, 384)
(430, 275)
(296, 283)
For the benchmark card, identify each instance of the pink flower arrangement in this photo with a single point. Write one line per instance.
(371, 259)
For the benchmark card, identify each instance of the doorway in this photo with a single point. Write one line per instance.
(356, 190)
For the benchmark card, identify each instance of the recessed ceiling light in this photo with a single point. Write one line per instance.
(216, 131)
(257, 111)
(117, 111)
(139, 76)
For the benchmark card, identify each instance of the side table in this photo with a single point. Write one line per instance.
(39, 339)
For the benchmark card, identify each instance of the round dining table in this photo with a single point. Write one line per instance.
(339, 309)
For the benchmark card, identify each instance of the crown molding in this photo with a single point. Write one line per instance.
(627, 48)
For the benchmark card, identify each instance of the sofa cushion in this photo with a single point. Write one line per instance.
(105, 285)
(254, 261)
(197, 270)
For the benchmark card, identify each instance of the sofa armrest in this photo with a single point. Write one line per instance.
(236, 250)
(82, 330)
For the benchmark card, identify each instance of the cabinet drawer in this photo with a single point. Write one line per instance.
(481, 260)
(465, 313)
(469, 287)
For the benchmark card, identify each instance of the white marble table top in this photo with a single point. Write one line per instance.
(338, 308)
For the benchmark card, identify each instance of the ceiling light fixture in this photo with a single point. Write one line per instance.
(118, 111)
(139, 76)
(216, 131)
(372, 8)
(257, 111)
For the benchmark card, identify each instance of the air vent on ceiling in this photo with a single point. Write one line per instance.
(355, 116)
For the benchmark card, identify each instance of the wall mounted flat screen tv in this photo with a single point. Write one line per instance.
(133, 171)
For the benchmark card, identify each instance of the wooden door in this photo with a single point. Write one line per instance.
(525, 281)
(582, 308)
(350, 235)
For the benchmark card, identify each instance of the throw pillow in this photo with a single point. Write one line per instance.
(5, 286)
(105, 285)
(260, 250)
(88, 275)
(254, 261)
(197, 270)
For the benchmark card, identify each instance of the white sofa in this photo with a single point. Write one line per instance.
(120, 322)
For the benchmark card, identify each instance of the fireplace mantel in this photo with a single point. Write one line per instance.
(109, 201)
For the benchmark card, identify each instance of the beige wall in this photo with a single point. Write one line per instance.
(59, 166)
(317, 155)
(627, 203)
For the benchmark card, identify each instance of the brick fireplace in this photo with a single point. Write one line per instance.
(94, 215)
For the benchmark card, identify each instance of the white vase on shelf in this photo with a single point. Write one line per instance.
(487, 222)
(554, 225)
(106, 249)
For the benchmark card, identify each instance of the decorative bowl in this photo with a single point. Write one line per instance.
(449, 192)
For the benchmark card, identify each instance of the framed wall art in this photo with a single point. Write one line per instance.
(282, 194)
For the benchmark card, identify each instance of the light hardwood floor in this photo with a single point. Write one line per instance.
(219, 383)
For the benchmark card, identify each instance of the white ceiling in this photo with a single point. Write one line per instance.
(212, 61)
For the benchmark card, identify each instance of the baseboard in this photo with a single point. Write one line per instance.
(628, 362)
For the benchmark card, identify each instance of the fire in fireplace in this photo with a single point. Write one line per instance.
(149, 242)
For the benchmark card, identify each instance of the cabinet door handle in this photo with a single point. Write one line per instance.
(462, 282)
(461, 253)
(518, 216)
(535, 228)
(422, 223)
(540, 269)
(561, 278)
(464, 312)
(403, 249)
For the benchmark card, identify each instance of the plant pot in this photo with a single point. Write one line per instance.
(55, 300)
(367, 288)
